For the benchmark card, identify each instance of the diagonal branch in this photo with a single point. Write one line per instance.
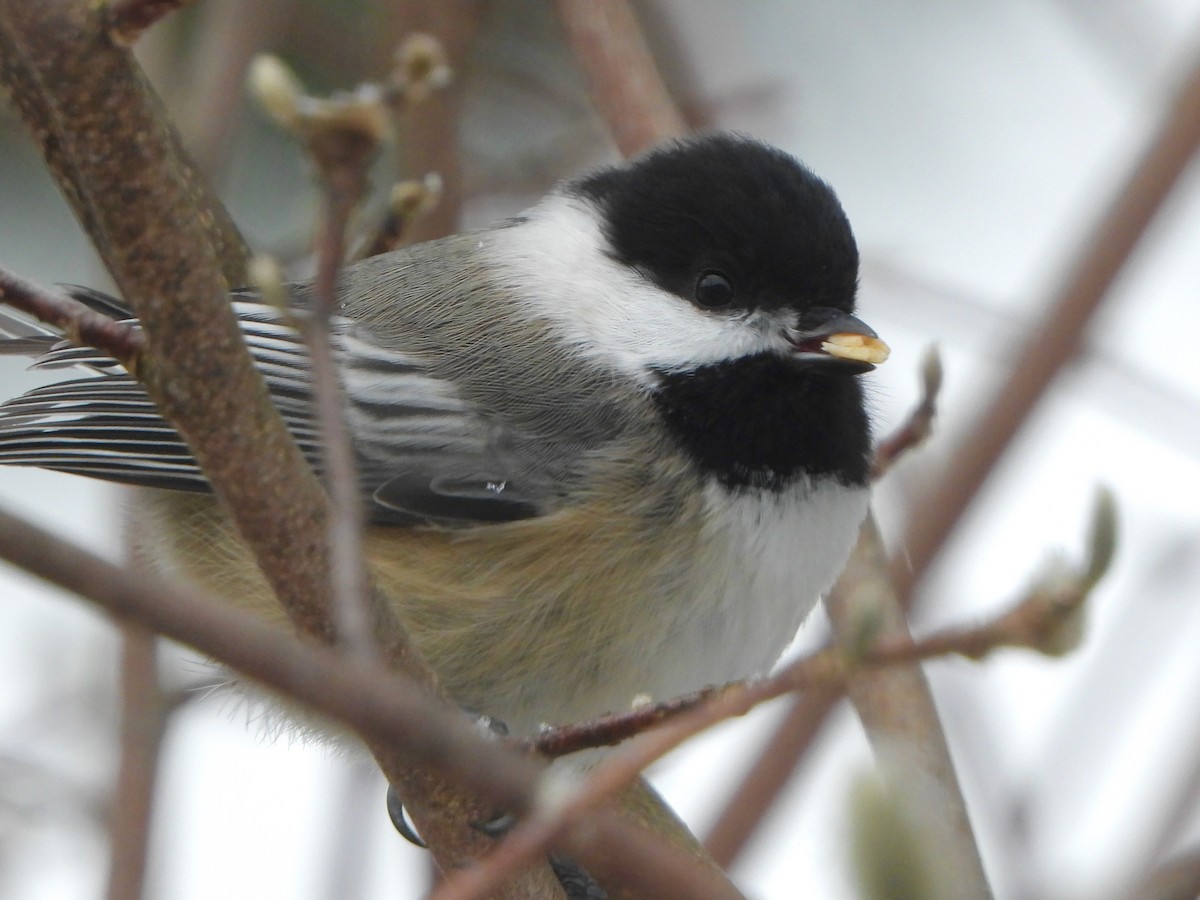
(376, 703)
(80, 325)
(623, 81)
(1056, 340)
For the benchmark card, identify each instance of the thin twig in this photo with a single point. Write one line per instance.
(609, 730)
(1055, 341)
(127, 19)
(343, 152)
(1029, 623)
(623, 81)
(79, 324)
(429, 129)
(1036, 623)
(918, 425)
(143, 718)
(762, 786)
(408, 203)
(342, 135)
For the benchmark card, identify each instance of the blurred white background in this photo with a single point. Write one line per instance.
(972, 145)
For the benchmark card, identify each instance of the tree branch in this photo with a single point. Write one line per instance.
(408, 202)
(898, 714)
(1057, 338)
(917, 427)
(623, 81)
(143, 718)
(609, 730)
(173, 251)
(127, 19)
(343, 151)
(80, 325)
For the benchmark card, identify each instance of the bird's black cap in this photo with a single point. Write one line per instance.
(731, 205)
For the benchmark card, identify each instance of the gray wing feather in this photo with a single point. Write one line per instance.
(425, 455)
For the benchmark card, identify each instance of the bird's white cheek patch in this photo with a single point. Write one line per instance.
(557, 260)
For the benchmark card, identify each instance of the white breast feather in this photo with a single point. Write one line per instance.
(771, 557)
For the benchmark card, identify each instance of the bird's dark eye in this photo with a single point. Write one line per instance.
(714, 289)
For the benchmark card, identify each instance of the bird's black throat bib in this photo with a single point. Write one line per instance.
(764, 421)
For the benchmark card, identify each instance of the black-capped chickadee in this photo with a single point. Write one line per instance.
(615, 446)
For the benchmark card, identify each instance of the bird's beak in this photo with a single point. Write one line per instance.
(832, 337)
